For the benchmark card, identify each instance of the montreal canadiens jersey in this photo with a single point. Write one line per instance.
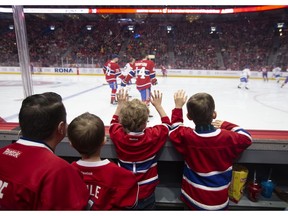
(137, 152)
(144, 72)
(111, 71)
(209, 156)
(112, 187)
(32, 177)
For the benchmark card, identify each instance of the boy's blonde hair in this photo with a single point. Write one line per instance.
(134, 115)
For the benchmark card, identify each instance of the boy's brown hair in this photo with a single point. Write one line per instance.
(86, 133)
(201, 107)
(134, 115)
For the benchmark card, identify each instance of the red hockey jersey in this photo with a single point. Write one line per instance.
(111, 186)
(137, 152)
(209, 155)
(144, 72)
(111, 71)
(32, 177)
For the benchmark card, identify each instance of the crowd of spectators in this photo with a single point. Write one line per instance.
(94, 45)
(194, 47)
(151, 38)
(190, 45)
(246, 43)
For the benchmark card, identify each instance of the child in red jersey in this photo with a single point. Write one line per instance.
(112, 187)
(137, 145)
(209, 151)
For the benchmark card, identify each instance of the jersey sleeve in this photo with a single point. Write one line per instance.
(177, 117)
(115, 119)
(242, 136)
(178, 131)
(115, 127)
(152, 70)
(104, 69)
(116, 69)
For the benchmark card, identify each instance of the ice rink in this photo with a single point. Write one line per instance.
(264, 106)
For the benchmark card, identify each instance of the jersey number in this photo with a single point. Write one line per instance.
(108, 71)
(141, 73)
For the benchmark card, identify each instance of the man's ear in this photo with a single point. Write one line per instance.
(214, 115)
(62, 128)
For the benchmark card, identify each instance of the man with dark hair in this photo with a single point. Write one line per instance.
(32, 177)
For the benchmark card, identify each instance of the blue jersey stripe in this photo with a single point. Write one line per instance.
(138, 166)
(215, 180)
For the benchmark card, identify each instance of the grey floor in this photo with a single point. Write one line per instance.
(263, 107)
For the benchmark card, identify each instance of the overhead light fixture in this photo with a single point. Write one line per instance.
(169, 28)
(280, 25)
(131, 28)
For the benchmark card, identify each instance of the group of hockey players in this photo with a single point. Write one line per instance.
(143, 70)
(246, 73)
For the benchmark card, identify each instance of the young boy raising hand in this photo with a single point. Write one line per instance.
(137, 146)
(209, 151)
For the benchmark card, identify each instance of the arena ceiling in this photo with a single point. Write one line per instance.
(282, 13)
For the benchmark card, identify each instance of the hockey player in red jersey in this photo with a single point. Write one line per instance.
(209, 151)
(144, 71)
(111, 186)
(112, 70)
(136, 145)
(32, 177)
(163, 70)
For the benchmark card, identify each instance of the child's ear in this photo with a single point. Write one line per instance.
(214, 115)
(104, 141)
(189, 117)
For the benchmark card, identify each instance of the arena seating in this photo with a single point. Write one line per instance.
(237, 42)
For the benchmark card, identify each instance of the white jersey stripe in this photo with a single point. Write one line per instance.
(202, 206)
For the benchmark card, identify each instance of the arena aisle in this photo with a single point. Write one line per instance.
(264, 106)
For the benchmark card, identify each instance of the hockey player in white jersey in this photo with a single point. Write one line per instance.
(128, 67)
(277, 73)
(244, 77)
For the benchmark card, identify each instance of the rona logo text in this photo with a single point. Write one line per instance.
(63, 70)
